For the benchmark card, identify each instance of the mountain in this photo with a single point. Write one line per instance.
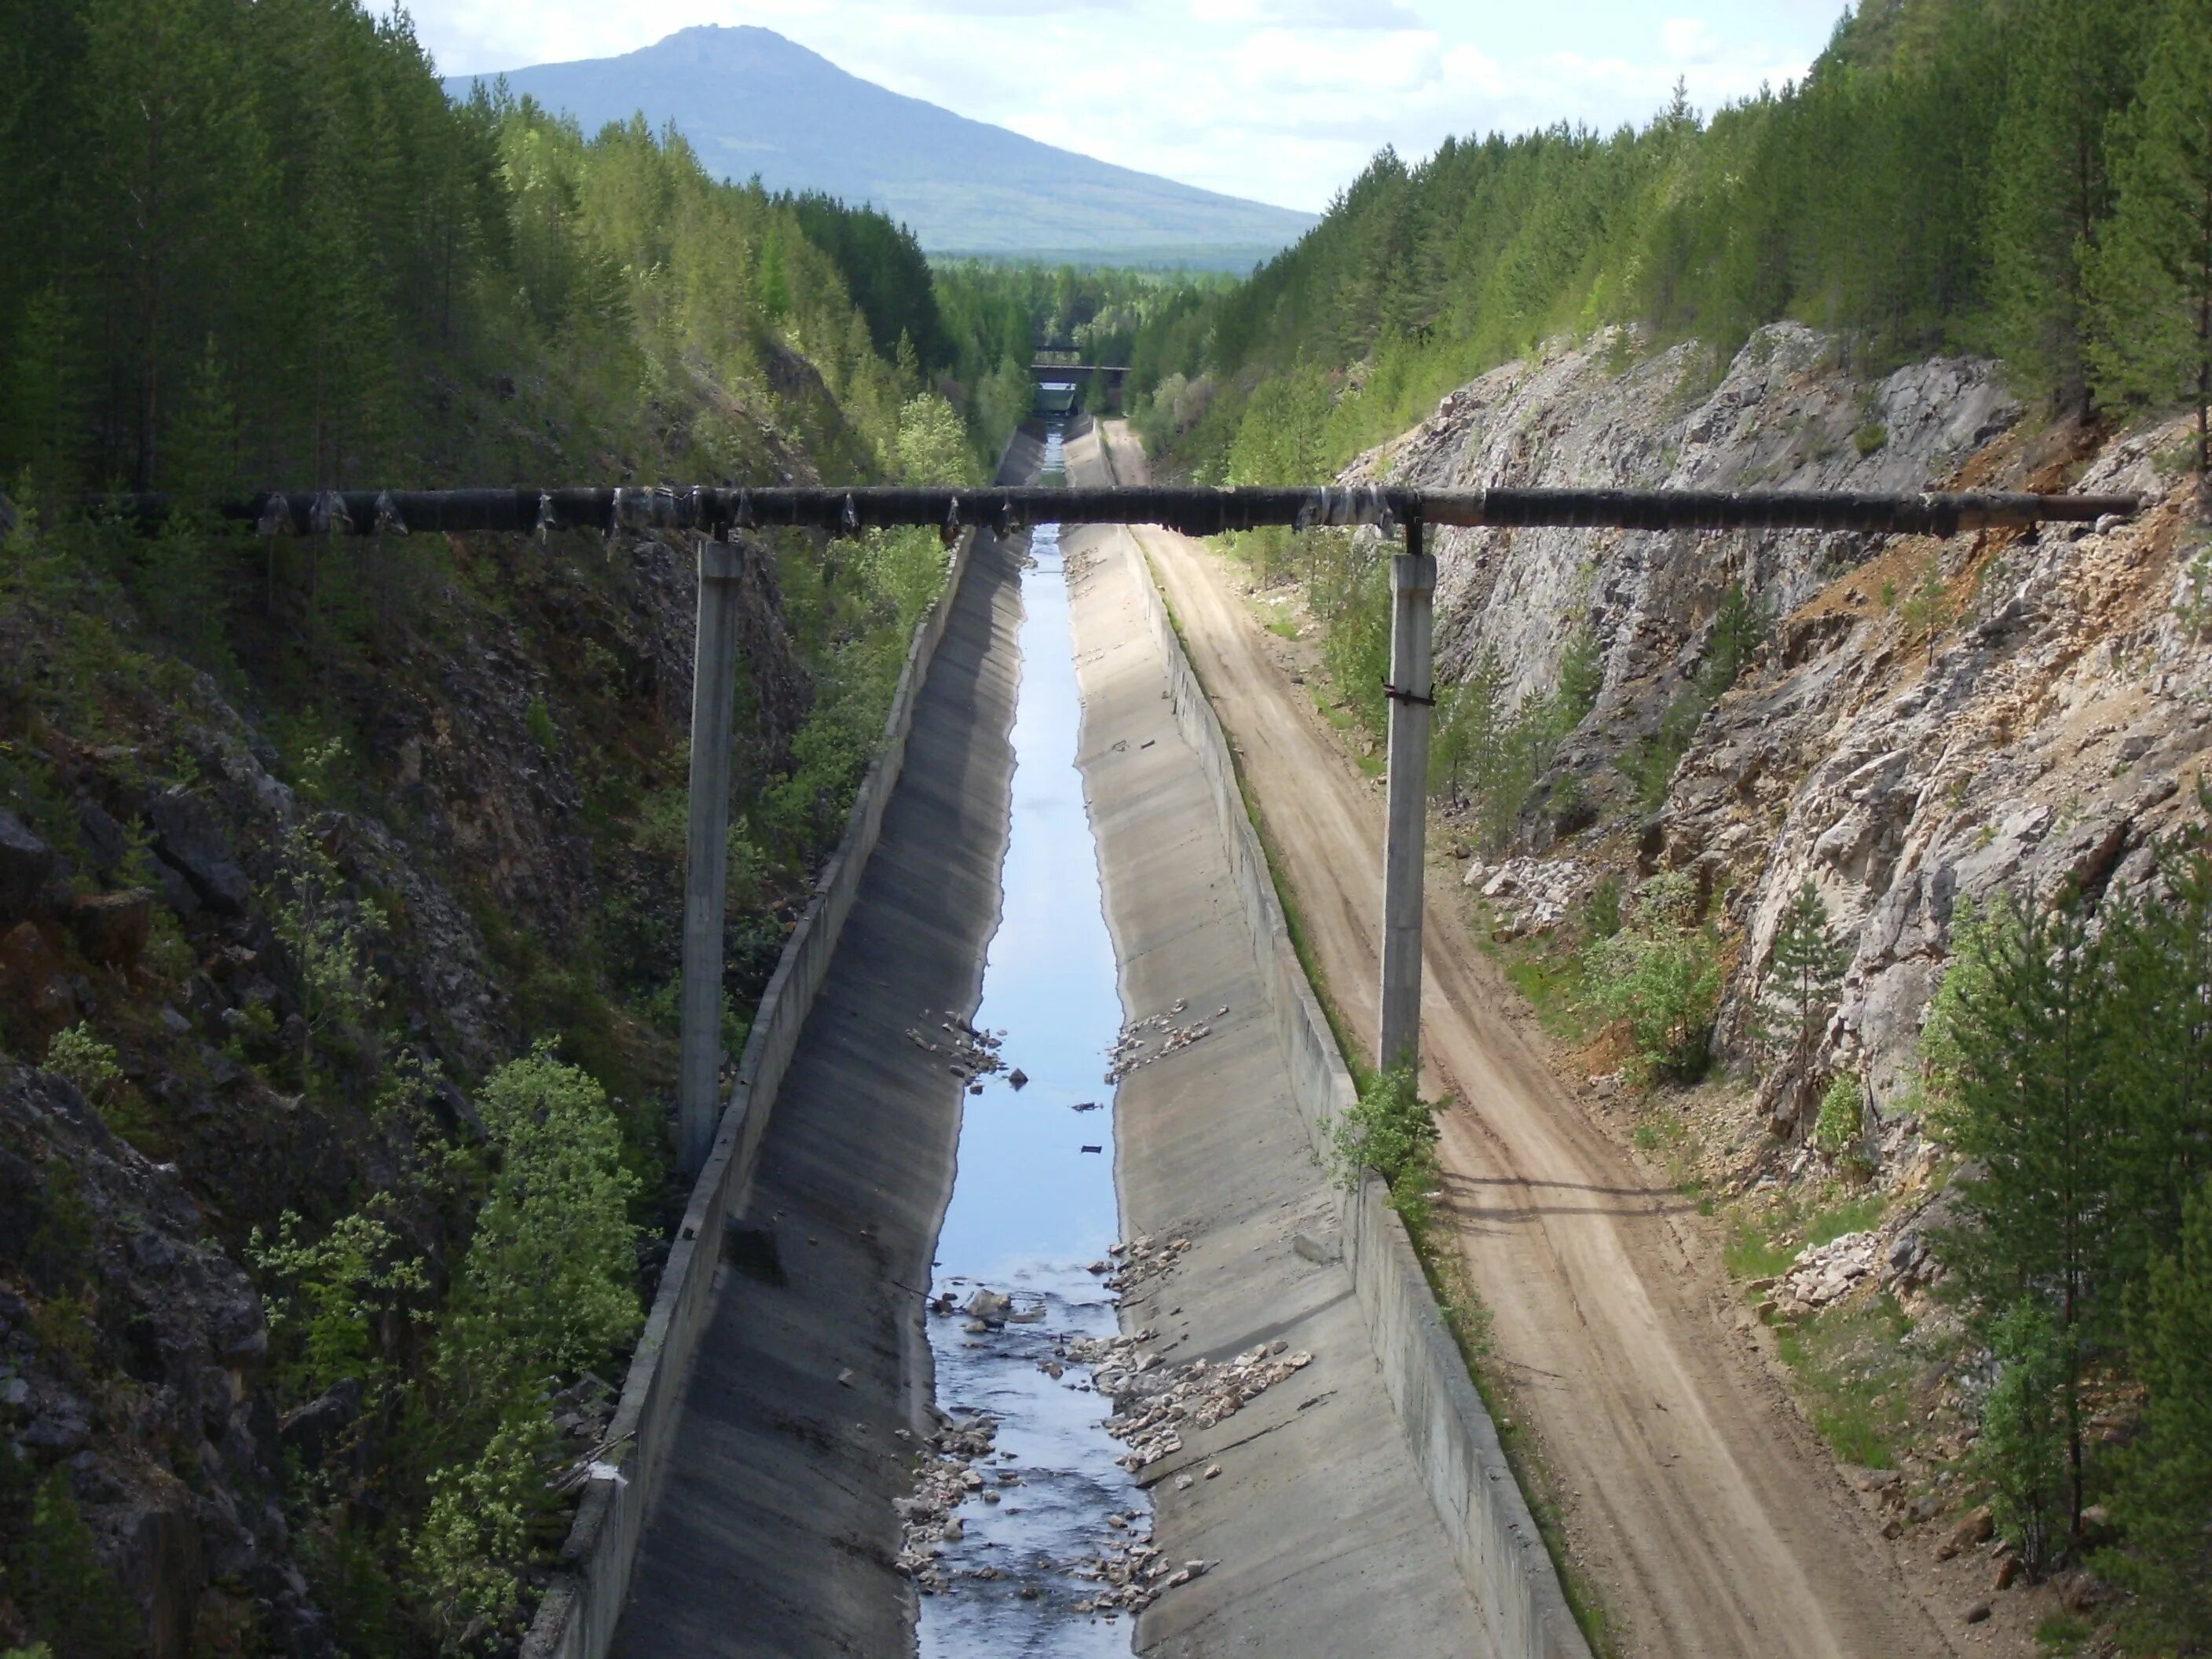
(752, 102)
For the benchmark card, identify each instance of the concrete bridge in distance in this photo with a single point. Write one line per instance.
(1066, 383)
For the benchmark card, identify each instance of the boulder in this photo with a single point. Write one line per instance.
(27, 863)
(113, 928)
(188, 838)
(34, 981)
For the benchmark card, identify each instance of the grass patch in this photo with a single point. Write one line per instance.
(2063, 1633)
(1753, 1252)
(1858, 1384)
(1549, 979)
(1762, 1244)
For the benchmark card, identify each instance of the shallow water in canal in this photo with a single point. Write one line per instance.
(1033, 1203)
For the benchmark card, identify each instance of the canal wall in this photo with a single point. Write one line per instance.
(961, 749)
(1455, 1445)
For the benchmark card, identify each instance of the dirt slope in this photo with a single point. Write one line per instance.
(1711, 1519)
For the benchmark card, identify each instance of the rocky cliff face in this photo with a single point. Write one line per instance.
(1926, 723)
(513, 712)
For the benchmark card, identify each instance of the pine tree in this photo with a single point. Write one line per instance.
(2164, 1501)
(2022, 1451)
(2160, 950)
(2074, 64)
(2033, 1041)
(1804, 977)
(2151, 279)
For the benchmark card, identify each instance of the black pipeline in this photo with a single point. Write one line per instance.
(1196, 512)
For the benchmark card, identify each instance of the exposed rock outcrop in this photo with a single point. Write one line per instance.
(1927, 722)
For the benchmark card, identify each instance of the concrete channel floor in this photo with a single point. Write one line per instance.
(774, 1533)
(1325, 1542)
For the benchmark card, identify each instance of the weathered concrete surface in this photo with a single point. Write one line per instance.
(773, 1533)
(1325, 1540)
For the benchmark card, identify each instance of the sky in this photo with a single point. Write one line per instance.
(1280, 100)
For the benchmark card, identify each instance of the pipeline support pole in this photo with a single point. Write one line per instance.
(707, 852)
(1412, 692)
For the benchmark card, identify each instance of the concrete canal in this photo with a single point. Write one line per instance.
(1022, 1570)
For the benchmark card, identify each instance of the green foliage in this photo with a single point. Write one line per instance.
(2149, 277)
(1804, 977)
(2030, 1109)
(2163, 1502)
(463, 1559)
(1602, 915)
(931, 447)
(327, 935)
(341, 1289)
(50, 1568)
(1926, 607)
(1491, 757)
(1841, 1125)
(78, 1053)
(548, 1284)
(1392, 1131)
(538, 722)
(1658, 973)
(548, 1287)
(2074, 69)
(2022, 1452)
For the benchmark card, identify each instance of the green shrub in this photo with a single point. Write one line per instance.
(538, 721)
(325, 1329)
(327, 935)
(463, 1560)
(2022, 1450)
(2164, 1501)
(1843, 1112)
(78, 1054)
(1659, 974)
(1601, 911)
(52, 1572)
(548, 1284)
(1392, 1131)
(1926, 608)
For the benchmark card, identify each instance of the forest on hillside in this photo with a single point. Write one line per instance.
(2026, 179)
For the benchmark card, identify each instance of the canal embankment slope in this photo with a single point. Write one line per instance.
(1318, 1534)
(773, 1532)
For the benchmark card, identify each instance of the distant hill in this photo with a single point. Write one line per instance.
(752, 102)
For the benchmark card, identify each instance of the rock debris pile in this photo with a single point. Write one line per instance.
(1131, 1573)
(1128, 1053)
(942, 1480)
(1531, 895)
(1153, 1403)
(969, 1053)
(1131, 1264)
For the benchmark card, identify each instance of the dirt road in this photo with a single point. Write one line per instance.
(1710, 1518)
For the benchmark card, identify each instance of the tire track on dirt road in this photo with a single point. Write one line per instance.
(1710, 1517)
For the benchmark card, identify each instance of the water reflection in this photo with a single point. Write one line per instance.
(1033, 1203)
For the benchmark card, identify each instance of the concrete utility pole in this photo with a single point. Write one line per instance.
(1412, 692)
(707, 853)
